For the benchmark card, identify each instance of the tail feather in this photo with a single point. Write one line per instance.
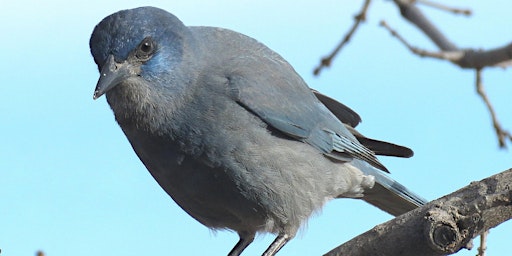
(389, 195)
(391, 202)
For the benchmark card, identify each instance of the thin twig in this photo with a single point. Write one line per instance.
(464, 58)
(473, 58)
(326, 61)
(452, 56)
(502, 134)
(483, 243)
(443, 7)
(413, 14)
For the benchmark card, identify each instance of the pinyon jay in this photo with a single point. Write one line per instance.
(231, 132)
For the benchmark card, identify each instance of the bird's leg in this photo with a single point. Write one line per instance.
(245, 240)
(278, 243)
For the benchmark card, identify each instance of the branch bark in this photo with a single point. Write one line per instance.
(441, 227)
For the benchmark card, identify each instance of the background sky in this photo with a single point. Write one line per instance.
(70, 183)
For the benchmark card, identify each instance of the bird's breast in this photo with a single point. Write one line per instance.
(205, 191)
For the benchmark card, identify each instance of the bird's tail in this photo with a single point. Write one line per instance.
(389, 195)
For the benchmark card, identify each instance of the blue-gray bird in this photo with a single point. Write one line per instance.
(231, 132)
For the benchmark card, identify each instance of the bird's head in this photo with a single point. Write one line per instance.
(137, 46)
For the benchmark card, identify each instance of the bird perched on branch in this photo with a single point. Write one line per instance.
(231, 132)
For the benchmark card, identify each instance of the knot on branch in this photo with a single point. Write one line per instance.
(447, 231)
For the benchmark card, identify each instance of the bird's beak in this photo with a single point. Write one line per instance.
(111, 75)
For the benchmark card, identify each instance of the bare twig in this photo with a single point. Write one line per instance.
(468, 58)
(443, 7)
(452, 56)
(471, 58)
(502, 134)
(414, 15)
(483, 243)
(464, 58)
(326, 61)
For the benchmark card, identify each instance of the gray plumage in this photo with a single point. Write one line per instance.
(231, 132)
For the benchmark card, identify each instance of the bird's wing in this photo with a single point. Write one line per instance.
(345, 114)
(289, 106)
(351, 119)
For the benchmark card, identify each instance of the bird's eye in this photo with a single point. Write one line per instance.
(146, 49)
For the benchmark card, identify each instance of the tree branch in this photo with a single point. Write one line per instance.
(452, 56)
(414, 15)
(464, 58)
(502, 134)
(468, 58)
(443, 7)
(326, 61)
(441, 227)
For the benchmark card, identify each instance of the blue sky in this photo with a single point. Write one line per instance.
(71, 184)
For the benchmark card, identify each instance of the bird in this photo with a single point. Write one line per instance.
(231, 132)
